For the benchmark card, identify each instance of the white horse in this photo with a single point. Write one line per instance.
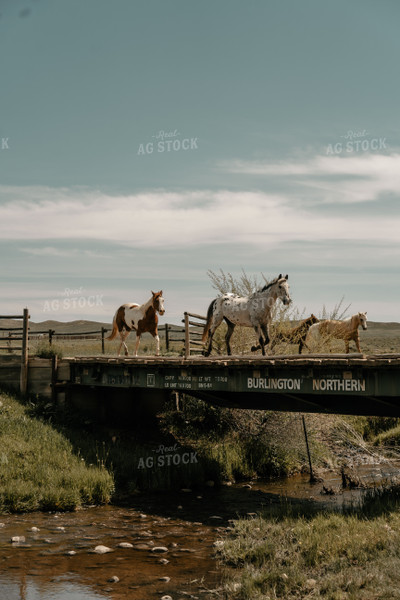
(141, 318)
(254, 311)
(346, 330)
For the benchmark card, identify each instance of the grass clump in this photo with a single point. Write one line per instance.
(44, 350)
(331, 556)
(38, 468)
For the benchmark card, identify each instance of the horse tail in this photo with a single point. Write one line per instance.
(114, 329)
(207, 326)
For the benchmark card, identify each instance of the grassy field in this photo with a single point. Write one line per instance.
(38, 467)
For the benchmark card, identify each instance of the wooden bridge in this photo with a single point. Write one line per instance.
(334, 383)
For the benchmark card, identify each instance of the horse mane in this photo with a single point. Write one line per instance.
(266, 287)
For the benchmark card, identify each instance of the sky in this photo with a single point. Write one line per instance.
(143, 144)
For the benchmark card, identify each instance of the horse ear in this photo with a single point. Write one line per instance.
(152, 292)
(280, 276)
(160, 292)
(287, 276)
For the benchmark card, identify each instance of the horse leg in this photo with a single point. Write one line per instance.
(215, 323)
(157, 338)
(265, 330)
(357, 341)
(231, 327)
(123, 335)
(137, 343)
(120, 346)
(347, 343)
(260, 338)
(211, 332)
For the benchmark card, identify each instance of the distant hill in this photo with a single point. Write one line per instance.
(71, 327)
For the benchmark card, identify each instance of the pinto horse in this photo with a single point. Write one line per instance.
(141, 318)
(344, 330)
(295, 335)
(254, 311)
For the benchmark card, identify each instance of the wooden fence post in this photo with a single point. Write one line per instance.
(54, 367)
(103, 330)
(166, 337)
(312, 478)
(187, 338)
(24, 354)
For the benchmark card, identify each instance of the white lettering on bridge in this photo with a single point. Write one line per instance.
(263, 383)
(339, 385)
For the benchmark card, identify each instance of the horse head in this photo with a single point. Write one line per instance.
(283, 289)
(158, 302)
(363, 319)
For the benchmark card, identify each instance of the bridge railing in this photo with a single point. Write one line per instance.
(21, 336)
(194, 325)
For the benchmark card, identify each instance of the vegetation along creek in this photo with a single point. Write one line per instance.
(80, 519)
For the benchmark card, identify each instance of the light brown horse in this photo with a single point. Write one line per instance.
(295, 335)
(141, 318)
(344, 330)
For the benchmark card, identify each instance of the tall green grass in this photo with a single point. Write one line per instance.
(354, 556)
(38, 467)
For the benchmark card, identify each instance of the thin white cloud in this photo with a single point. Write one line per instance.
(160, 219)
(52, 251)
(344, 179)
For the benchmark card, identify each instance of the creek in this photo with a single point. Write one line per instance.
(163, 547)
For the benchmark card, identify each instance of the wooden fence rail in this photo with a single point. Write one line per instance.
(189, 335)
(171, 333)
(23, 382)
(190, 332)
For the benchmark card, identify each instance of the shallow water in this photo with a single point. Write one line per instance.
(41, 567)
(186, 524)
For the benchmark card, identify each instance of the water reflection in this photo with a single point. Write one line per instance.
(29, 589)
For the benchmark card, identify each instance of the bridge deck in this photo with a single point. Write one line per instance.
(246, 359)
(352, 383)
